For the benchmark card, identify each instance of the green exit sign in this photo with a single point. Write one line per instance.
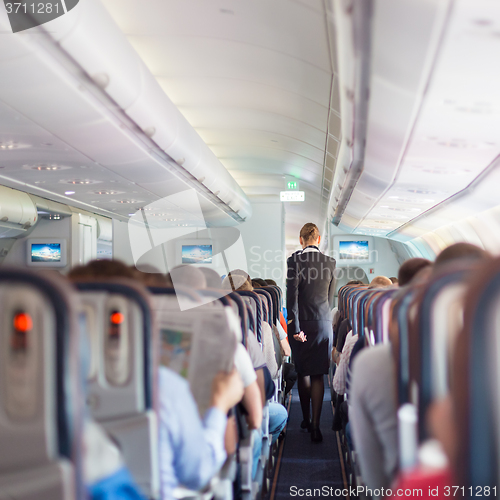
(292, 185)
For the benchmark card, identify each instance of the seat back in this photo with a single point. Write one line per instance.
(476, 383)
(40, 389)
(121, 375)
(269, 303)
(439, 320)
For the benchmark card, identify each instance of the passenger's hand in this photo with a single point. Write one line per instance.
(300, 337)
(227, 390)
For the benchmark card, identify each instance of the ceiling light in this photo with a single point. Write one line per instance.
(13, 145)
(45, 167)
(411, 200)
(108, 192)
(127, 201)
(69, 193)
(131, 215)
(421, 191)
(79, 182)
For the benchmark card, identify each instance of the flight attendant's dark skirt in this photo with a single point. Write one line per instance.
(313, 357)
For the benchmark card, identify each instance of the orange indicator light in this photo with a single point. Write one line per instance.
(23, 322)
(117, 318)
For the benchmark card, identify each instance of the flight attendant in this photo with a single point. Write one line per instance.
(310, 294)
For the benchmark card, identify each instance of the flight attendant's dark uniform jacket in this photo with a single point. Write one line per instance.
(310, 290)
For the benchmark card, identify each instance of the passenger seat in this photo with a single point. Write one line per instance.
(41, 389)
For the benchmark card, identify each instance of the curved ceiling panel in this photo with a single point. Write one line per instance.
(255, 79)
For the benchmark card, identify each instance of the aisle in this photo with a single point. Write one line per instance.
(304, 464)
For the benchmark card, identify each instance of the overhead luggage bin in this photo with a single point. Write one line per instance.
(115, 114)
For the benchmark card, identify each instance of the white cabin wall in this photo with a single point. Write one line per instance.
(49, 229)
(264, 240)
(386, 260)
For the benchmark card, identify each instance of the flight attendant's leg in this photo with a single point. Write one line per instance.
(304, 386)
(317, 393)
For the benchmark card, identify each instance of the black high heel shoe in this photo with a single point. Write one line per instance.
(306, 424)
(316, 436)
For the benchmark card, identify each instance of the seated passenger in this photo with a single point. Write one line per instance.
(211, 277)
(339, 380)
(373, 415)
(410, 268)
(188, 276)
(192, 450)
(372, 403)
(339, 341)
(104, 473)
(380, 282)
(460, 251)
(394, 280)
(239, 280)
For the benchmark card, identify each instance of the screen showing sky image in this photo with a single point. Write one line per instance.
(353, 250)
(196, 254)
(45, 252)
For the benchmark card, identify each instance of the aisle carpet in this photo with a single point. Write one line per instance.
(304, 464)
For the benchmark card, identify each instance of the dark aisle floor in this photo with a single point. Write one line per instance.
(304, 464)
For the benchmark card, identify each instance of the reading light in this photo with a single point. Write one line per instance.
(292, 196)
(23, 322)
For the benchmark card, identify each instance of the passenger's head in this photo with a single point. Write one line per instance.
(394, 280)
(410, 268)
(309, 235)
(212, 277)
(150, 276)
(380, 282)
(101, 269)
(188, 276)
(354, 282)
(237, 280)
(271, 282)
(460, 251)
(260, 281)
(256, 284)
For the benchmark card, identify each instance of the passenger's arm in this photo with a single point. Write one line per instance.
(262, 385)
(286, 347)
(193, 447)
(252, 401)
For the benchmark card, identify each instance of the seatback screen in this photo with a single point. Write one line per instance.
(196, 254)
(45, 252)
(354, 250)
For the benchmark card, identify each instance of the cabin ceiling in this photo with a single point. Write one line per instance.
(433, 118)
(255, 80)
